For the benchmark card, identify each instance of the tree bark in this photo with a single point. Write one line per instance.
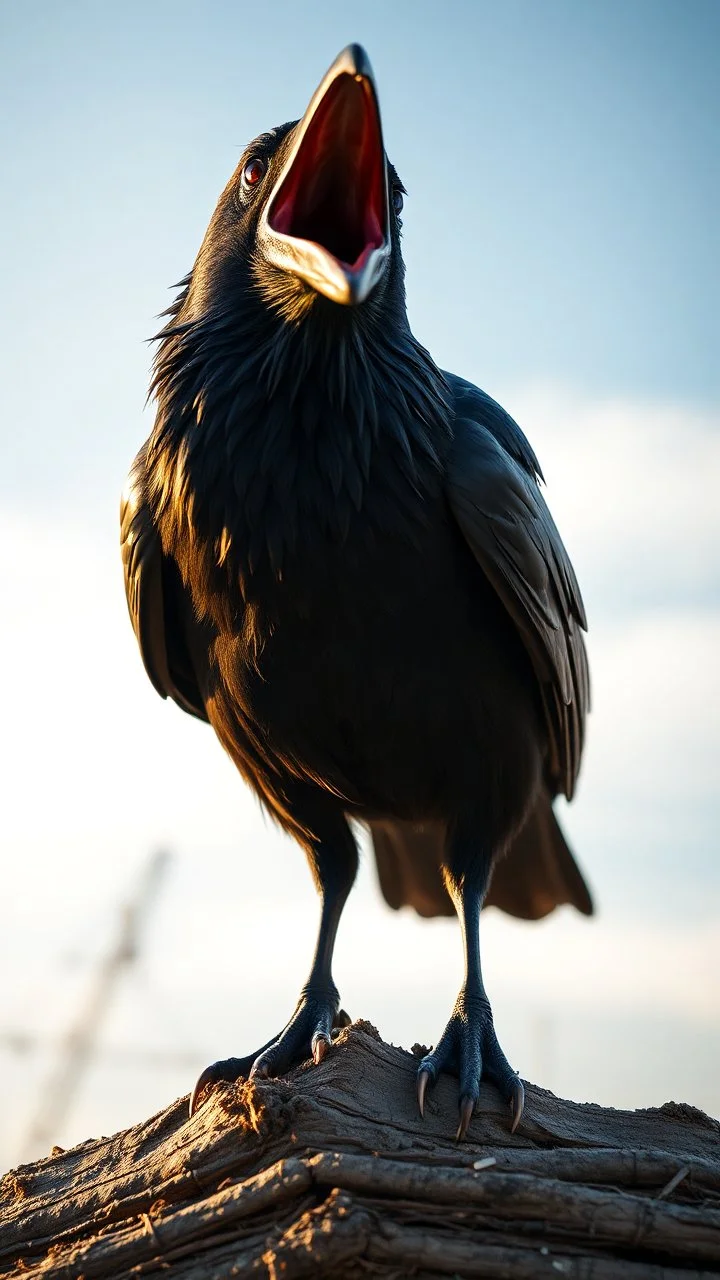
(331, 1172)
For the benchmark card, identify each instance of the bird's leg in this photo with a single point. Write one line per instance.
(468, 1046)
(309, 1029)
(333, 860)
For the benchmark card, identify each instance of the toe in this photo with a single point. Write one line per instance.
(467, 1107)
(228, 1069)
(517, 1102)
(203, 1082)
(469, 1049)
(471, 1068)
(422, 1083)
(268, 1063)
(442, 1058)
(320, 1045)
(497, 1069)
(308, 1034)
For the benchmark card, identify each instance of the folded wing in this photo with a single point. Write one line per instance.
(493, 492)
(153, 589)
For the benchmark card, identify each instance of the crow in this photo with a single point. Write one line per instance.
(340, 557)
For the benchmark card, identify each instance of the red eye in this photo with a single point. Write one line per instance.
(254, 171)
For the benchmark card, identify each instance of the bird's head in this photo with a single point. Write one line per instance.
(310, 218)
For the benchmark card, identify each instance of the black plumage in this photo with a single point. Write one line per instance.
(340, 557)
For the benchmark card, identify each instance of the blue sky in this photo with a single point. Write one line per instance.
(562, 250)
(561, 159)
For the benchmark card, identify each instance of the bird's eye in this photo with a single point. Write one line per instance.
(398, 201)
(254, 172)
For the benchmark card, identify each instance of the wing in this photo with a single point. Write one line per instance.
(153, 587)
(492, 487)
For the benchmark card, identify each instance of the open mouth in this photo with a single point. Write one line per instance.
(334, 191)
(327, 219)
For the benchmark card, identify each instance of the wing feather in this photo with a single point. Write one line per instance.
(150, 584)
(495, 498)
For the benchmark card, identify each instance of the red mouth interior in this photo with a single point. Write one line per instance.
(334, 192)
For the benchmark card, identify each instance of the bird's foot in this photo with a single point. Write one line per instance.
(307, 1034)
(469, 1049)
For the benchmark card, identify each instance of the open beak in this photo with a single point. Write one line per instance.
(327, 216)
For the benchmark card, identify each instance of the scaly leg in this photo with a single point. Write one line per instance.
(468, 1046)
(333, 860)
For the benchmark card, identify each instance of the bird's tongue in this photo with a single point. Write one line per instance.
(334, 191)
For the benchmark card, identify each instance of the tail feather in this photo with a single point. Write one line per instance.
(408, 857)
(537, 873)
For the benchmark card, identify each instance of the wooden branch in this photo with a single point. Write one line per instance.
(332, 1172)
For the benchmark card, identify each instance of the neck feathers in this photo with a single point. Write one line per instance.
(275, 438)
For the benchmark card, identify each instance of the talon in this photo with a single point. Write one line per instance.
(341, 1019)
(229, 1069)
(201, 1083)
(422, 1084)
(259, 1071)
(517, 1103)
(467, 1106)
(320, 1048)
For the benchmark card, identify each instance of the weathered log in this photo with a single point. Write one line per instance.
(332, 1172)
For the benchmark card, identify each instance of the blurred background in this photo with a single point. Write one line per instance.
(561, 240)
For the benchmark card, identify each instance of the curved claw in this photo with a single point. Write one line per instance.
(517, 1103)
(467, 1106)
(320, 1046)
(422, 1084)
(228, 1069)
(209, 1076)
(202, 1080)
